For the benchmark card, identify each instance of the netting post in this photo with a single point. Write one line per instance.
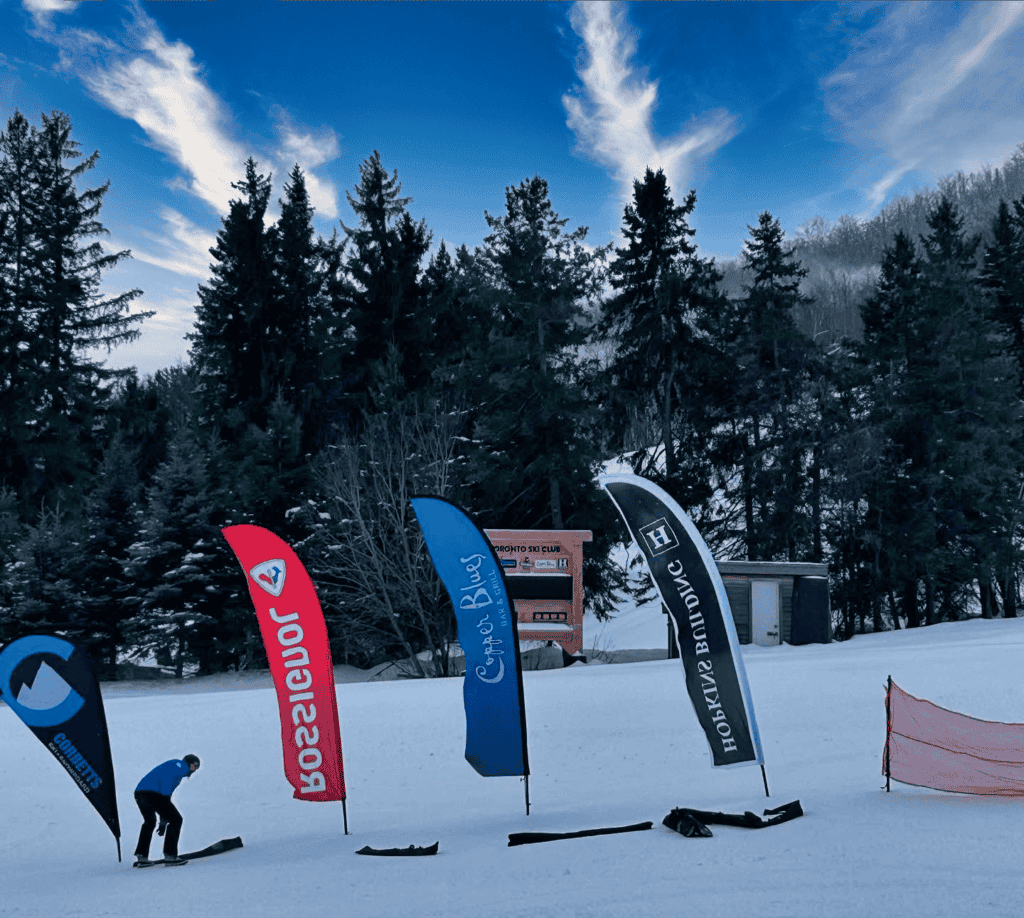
(888, 730)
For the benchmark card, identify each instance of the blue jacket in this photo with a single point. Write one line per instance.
(165, 778)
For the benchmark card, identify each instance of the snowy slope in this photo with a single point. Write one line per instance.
(609, 745)
(633, 627)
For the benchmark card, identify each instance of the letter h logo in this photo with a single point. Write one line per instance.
(659, 537)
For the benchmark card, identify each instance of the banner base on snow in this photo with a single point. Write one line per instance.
(694, 823)
(411, 851)
(530, 838)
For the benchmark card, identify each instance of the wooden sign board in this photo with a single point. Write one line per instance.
(544, 572)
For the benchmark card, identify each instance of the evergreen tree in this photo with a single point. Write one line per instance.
(256, 351)
(12, 534)
(845, 463)
(662, 368)
(140, 413)
(334, 342)
(458, 310)
(43, 577)
(70, 318)
(895, 494)
(267, 476)
(17, 190)
(290, 364)
(541, 279)
(175, 564)
(944, 400)
(773, 363)
(52, 282)
(111, 524)
(974, 452)
(234, 319)
(387, 304)
(536, 454)
(272, 322)
(11, 530)
(1002, 274)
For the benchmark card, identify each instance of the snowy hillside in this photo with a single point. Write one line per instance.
(609, 745)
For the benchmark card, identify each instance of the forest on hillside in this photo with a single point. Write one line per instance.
(852, 396)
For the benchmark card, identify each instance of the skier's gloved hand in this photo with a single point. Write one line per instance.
(162, 827)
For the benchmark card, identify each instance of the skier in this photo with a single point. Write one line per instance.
(153, 795)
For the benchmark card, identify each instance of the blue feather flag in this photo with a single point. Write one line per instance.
(488, 635)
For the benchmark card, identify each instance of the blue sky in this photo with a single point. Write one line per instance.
(801, 109)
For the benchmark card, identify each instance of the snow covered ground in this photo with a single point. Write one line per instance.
(633, 628)
(609, 745)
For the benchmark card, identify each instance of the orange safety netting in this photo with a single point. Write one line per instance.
(931, 747)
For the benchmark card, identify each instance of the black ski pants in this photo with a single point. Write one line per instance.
(151, 804)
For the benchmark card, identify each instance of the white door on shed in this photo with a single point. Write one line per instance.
(765, 607)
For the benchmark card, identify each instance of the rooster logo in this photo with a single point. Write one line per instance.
(270, 576)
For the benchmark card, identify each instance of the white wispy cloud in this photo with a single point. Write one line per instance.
(309, 148)
(72, 43)
(163, 342)
(183, 247)
(612, 115)
(932, 96)
(159, 85)
(42, 11)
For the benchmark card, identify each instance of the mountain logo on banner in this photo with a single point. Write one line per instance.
(43, 698)
(659, 537)
(270, 575)
(51, 686)
(47, 691)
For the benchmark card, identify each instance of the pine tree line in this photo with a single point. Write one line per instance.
(861, 244)
(331, 379)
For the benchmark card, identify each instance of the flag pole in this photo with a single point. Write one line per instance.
(344, 810)
(118, 848)
(526, 781)
(888, 731)
(765, 777)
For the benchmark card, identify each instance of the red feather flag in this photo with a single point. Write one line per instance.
(295, 637)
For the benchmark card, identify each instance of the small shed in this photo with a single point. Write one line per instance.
(775, 602)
